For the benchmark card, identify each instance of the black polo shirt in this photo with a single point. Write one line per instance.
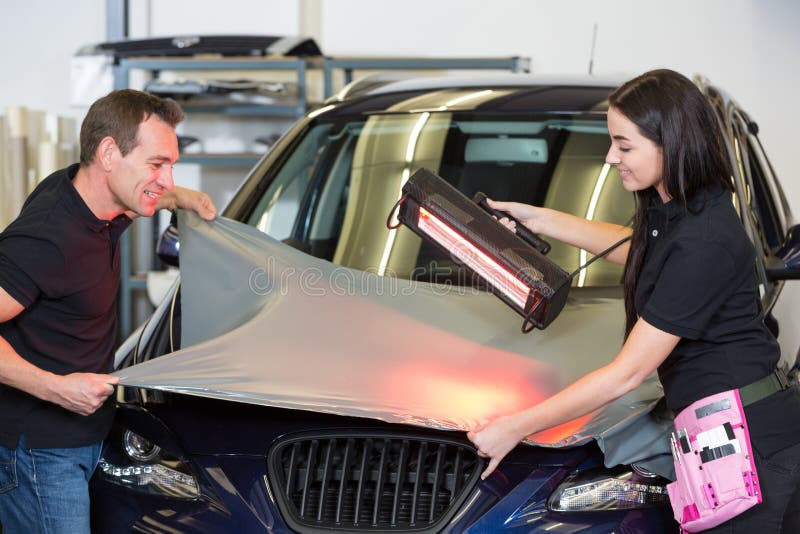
(698, 282)
(62, 264)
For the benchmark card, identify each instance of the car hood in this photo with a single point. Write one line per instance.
(266, 324)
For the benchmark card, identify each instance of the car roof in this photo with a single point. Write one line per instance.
(406, 83)
(503, 93)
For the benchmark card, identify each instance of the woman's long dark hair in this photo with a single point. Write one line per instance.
(671, 111)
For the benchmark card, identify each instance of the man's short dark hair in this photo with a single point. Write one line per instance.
(119, 114)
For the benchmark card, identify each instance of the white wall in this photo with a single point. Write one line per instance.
(193, 17)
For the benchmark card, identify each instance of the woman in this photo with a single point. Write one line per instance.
(691, 299)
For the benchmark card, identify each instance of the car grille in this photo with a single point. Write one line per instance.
(371, 482)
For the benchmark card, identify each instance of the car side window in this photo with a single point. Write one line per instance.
(277, 210)
(769, 225)
(321, 228)
(762, 216)
(764, 213)
(766, 196)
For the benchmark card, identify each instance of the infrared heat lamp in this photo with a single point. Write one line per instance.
(515, 269)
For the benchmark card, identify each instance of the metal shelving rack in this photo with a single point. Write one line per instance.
(122, 71)
(294, 109)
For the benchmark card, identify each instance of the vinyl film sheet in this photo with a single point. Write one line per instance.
(266, 324)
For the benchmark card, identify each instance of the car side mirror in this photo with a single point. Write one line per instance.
(785, 265)
(169, 244)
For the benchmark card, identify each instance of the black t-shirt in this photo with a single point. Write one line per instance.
(62, 264)
(698, 282)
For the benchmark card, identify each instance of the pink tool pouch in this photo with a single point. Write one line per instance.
(716, 474)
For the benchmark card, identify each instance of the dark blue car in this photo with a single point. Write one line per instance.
(288, 414)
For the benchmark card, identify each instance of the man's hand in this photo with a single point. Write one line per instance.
(83, 393)
(188, 199)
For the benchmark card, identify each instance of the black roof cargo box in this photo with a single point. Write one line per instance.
(225, 45)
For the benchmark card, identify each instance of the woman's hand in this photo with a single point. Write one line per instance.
(495, 439)
(531, 216)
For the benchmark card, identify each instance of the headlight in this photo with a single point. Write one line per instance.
(144, 467)
(139, 449)
(608, 490)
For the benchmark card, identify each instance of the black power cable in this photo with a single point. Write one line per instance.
(529, 323)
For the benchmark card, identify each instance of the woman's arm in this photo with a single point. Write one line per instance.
(594, 236)
(644, 350)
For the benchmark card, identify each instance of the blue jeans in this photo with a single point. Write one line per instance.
(46, 490)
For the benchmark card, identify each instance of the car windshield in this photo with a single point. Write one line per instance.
(333, 194)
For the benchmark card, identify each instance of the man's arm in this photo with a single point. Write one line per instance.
(81, 393)
(183, 198)
(188, 199)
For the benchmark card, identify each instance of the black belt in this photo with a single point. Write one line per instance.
(760, 389)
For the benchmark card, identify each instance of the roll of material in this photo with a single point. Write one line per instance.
(49, 160)
(33, 144)
(68, 153)
(51, 128)
(36, 133)
(17, 117)
(68, 131)
(17, 179)
(4, 220)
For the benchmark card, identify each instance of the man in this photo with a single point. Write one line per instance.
(59, 276)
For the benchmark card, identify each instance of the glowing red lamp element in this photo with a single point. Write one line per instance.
(501, 278)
